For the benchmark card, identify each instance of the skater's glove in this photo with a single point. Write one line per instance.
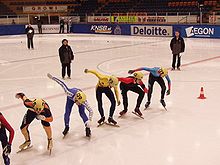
(145, 90)
(40, 117)
(19, 95)
(7, 149)
(119, 103)
(86, 70)
(130, 71)
(168, 92)
(49, 75)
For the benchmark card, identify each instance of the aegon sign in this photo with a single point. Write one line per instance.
(143, 30)
(199, 31)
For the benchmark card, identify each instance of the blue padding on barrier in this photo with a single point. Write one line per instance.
(12, 29)
(115, 29)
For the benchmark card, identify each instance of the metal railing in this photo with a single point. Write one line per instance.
(156, 18)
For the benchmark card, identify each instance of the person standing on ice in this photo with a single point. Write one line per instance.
(156, 74)
(6, 145)
(75, 95)
(30, 35)
(177, 46)
(132, 83)
(104, 85)
(39, 109)
(66, 56)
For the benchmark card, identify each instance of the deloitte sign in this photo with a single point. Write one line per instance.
(143, 30)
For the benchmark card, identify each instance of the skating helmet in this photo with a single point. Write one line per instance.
(38, 105)
(138, 75)
(113, 81)
(163, 72)
(80, 97)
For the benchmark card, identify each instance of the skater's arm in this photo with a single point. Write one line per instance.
(8, 127)
(86, 104)
(126, 80)
(143, 86)
(140, 69)
(169, 84)
(117, 95)
(99, 75)
(46, 114)
(62, 84)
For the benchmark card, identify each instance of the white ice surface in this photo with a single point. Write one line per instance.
(188, 134)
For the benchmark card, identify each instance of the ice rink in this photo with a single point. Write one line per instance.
(188, 134)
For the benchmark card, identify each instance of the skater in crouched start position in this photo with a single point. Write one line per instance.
(6, 145)
(156, 74)
(39, 109)
(75, 95)
(132, 83)
(104, 85)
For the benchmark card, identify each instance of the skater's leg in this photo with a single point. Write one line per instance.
(124, 96)
(111, 97)
(140, 93)
(4, 142)
(151, 81)
(83, 114)
(99, 91)
(163, 87)
(68, 110)
(28, 118)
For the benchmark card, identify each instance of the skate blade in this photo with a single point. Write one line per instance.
(113, 125)
(21, 150)
(99, 125)
(50, 152)
(137, 115)
(65, 136)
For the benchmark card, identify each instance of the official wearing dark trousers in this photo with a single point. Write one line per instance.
(62, 23)
(30, 35)
(66, 57)
(177, 46)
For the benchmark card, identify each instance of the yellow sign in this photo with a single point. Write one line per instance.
(124, 19)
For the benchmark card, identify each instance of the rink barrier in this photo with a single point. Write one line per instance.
(12, 29)
(187, 31)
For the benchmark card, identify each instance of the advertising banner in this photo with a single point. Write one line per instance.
(48, 28)
(124, 19)
(44, 9)
(198, 31)
(99, 19)
(115, 29)
(12, 29)
(145, 30)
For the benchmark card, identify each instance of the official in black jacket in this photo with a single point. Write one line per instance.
(30, 35)
(177, 46)
(66, 57)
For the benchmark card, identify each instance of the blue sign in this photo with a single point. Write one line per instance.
(114, 29)
(12, 29)
(198, 31)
